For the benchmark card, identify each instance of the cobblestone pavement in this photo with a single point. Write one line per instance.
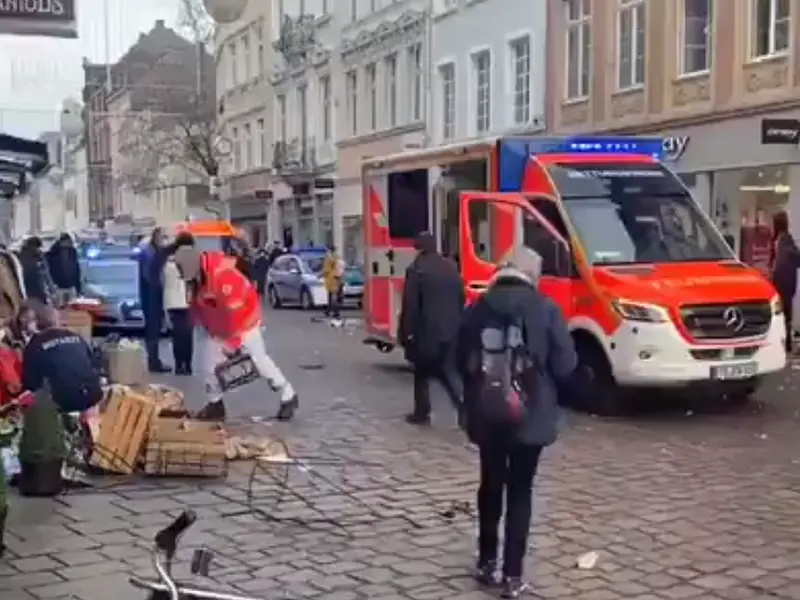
(679, 504)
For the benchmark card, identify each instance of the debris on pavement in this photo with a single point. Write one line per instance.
(588, 561)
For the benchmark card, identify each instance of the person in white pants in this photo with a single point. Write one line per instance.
(216, 351)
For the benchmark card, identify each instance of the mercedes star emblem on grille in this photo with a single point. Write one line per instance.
(734, 319)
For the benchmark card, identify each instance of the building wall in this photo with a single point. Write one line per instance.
(381, 86)
(740, 79)
(513, 36)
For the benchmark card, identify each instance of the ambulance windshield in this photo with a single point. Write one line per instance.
(636, 213)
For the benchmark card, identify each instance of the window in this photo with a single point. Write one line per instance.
(696, 36)
(245, 62)
(260, 59)
(282, 133)
(390, 92)
(373, 5)
(372, 96)
(482, 70)
(771, 27)
(351, 89)
(325, 101)
(626, 214)
(538, 237)
(325, 8)
(447, 77)
(302, 107)
(262, 142)
(579, 48)
(247, 158)
(234, 63)
(521, 72)
(415, 82)
(631, 40)
(353, 10)
(237, 150)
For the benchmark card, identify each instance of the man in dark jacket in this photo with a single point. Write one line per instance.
(36, 275)
(509, 456)
(433, 299)
(64, 360)
(785, 260)
(65, 270)
(151, 294)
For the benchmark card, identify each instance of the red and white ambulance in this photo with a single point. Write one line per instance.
(654, 296)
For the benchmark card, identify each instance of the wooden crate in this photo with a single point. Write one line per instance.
(77, 321)
(123, 432)
(185, 447)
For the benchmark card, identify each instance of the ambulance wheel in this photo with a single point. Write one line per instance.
(605, 397)
(274, 299)
(306, 301)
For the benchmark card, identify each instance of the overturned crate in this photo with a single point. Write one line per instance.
(185, 448)
(122, 433)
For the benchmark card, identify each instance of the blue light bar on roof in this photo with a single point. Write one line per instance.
(602, 145)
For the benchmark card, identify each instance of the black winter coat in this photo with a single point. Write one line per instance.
(433, 300)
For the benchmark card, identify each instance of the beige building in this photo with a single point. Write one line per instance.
(719, 81)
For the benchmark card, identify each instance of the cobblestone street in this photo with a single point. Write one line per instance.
(679, 503)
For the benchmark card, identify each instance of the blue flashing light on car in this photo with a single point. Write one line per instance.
(93, 252)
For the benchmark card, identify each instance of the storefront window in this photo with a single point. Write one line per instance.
(762, 193)
(305, 225)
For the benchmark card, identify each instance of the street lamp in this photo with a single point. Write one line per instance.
(225, 11)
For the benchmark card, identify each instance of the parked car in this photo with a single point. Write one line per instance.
(296, 278)
(353, 288)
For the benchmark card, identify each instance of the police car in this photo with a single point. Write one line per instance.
(110, 287)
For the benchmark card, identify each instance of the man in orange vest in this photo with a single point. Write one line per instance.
(226, 304)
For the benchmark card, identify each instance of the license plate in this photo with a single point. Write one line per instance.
(136, 314)
(735, 371)
(236, 371)
(353, 290)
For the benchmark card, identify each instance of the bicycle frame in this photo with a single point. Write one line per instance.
(166, 541)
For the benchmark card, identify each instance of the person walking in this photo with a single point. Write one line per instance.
(151, 295)
(332, 273)
(176, 303)
(226, 304)
(784, 262)
(433, 299)
(62, 259)
(515, 355)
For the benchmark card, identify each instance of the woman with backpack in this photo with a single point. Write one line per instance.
(514, 353)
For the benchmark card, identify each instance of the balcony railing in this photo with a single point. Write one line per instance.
(297, 37)
(295, 157)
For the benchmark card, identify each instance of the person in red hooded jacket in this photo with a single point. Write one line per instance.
(226, 304)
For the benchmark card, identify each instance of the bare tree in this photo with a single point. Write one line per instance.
(168, 135)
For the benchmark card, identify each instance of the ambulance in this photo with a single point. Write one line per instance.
(654, 296)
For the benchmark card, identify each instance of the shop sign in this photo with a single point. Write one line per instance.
(780, 132)
(50, 18)
(675, 146)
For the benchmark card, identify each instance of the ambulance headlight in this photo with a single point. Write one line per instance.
(640, 311)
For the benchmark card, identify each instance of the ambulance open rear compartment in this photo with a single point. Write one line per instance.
(688, 314)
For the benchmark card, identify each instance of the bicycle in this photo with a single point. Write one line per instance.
(166, 588)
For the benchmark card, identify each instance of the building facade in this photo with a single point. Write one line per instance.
(381, 89)
(303, 39)
(102, 81)
(719, 81)
(488, 69)
(244, 109)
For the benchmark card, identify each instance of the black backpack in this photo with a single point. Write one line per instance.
(506, 374)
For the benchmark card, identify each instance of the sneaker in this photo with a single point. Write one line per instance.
(514, 587)
(486, 574)
(212, 411)
(415, 419)
(288, 408)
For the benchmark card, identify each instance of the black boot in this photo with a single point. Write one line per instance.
(288, 408)
(212, 411)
